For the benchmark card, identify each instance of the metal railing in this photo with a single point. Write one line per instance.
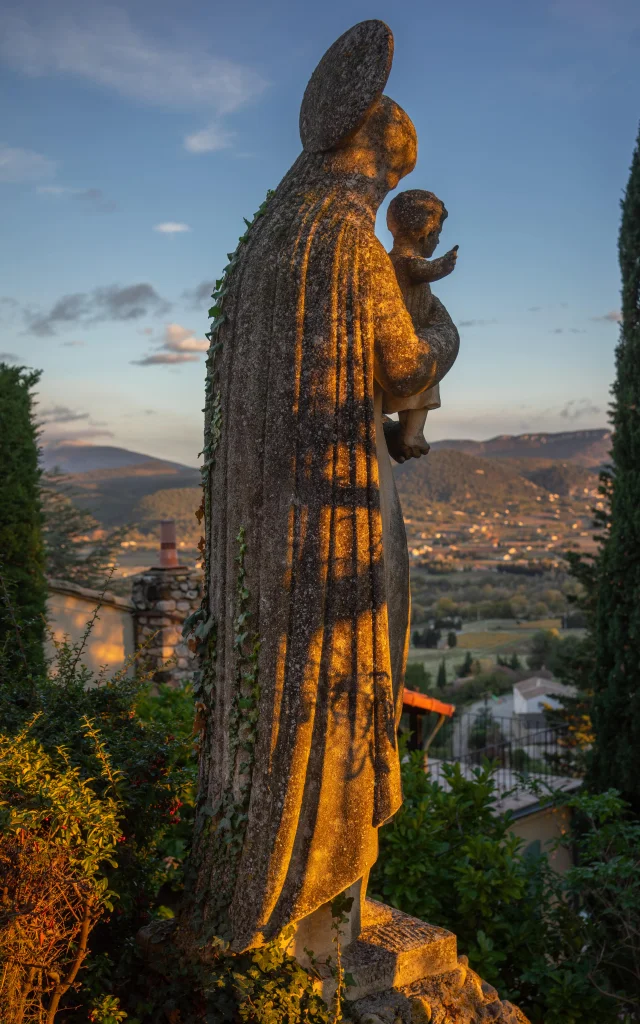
(519, 748)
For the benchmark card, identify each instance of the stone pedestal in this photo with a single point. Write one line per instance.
(394, 950)
(390, 949)
(405, 971)
(163, 598)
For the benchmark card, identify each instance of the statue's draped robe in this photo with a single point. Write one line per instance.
(315, 328)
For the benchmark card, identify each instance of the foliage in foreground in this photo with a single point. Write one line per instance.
(148, 742)
(565, 948)
(22, 583)
(57, 836)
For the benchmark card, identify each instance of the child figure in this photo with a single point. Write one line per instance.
(415, 220)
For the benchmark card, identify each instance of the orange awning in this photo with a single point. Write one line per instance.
(420, 702)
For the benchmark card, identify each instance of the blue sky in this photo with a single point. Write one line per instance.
(135, 137)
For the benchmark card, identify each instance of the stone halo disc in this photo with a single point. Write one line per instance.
(347, 82)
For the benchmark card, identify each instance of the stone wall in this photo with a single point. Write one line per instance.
(163, 598)
(112, 638)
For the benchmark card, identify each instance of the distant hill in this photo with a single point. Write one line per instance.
(178, 503)
(87, 458)
(583, 447)
(461, 481)
(120, 486)
(562, 478)
(110, 482)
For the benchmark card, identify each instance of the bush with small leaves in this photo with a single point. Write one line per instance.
(57, 836)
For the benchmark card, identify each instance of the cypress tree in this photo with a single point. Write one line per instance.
(442, 675)
(22, 581)
(616, 597)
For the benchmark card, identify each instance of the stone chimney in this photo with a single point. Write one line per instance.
(164, 596)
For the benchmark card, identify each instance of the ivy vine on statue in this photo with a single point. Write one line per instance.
(303, 631)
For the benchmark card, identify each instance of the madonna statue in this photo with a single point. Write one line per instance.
(304, 628)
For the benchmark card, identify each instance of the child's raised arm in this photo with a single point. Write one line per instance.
(431, 270)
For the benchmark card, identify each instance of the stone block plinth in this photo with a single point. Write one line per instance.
(395, 950)
(392, 951)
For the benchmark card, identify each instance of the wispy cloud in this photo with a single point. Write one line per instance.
(92, 197)
(61, 414)
(209, 140)
(534, 309)
(78, 436)
(198, 296)
(578, 407)
(9, 357)
(182, 339)
(109, 303)
(476, 323)
(23, 164)
(165, 358)
(9, 309)
(57, 419)
(179, 345)
(100, 44)
(171, 227)
(614, 316)
(73, 344)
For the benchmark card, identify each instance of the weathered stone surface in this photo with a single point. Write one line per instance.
(438, 999)
(415, 219)
(394, 950)
(313, 329)
(346, 84)
(162, 606)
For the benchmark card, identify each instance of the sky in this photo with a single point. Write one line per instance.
(134, 137)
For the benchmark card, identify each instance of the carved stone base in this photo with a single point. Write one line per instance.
(458, 996)
(408, 972)
(395, 950)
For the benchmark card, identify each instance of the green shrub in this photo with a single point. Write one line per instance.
(149, 743)
(565, 948)
(57, 837)
(416, 677)
(22, 582)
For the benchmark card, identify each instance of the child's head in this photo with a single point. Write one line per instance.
(417, 216)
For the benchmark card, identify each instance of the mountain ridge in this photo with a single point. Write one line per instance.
(588, 448)
(585, 447)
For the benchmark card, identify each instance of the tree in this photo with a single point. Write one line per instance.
(452, 639)
(416, 677)
(428, 637)
(466, 668)
(22, 582)
(616, 700)
(71, 552)
(541, 647)
(442, 675)
(514, 662)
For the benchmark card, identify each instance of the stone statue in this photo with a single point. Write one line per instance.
(415, 219)
(303, 632)
(307, 604)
